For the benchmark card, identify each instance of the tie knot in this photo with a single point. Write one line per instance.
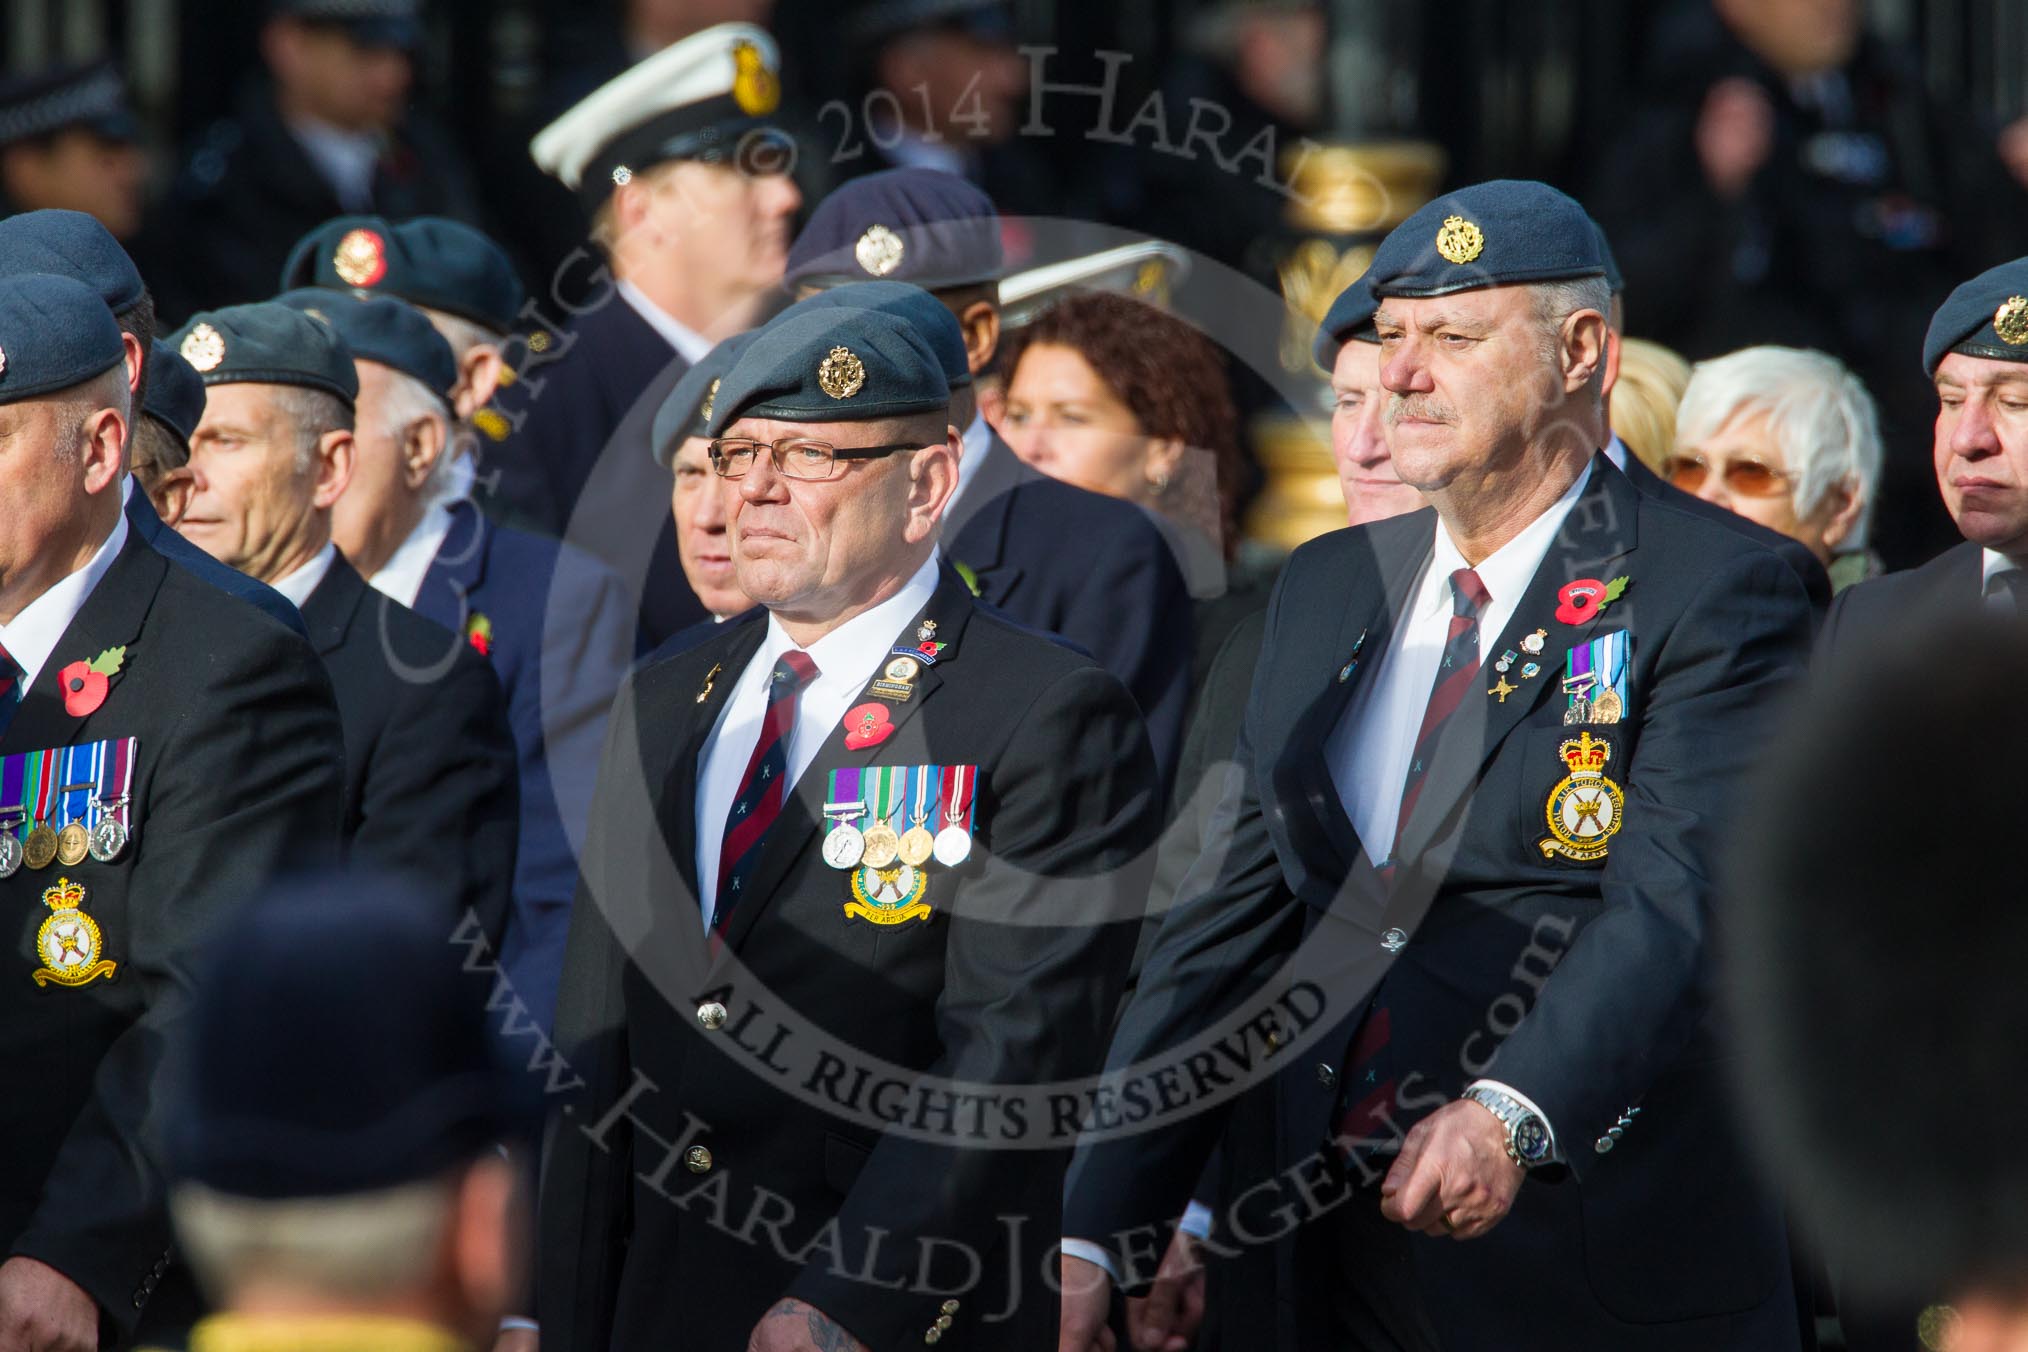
(2010, 585)
(793, 671)
(1468, 594)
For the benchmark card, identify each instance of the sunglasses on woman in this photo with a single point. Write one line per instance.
(1748, 478)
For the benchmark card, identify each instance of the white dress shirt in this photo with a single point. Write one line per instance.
(1369, 750)
(686, 340)
(1616, 451)
(345, 160)
(298, 585)
(35, 632)
(978, 444)
(847, 658)
(401, 577)
(1990, 566)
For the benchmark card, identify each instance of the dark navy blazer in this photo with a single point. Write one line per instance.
(559, 630)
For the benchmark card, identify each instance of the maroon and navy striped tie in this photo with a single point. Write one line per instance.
(1365, 1098)
(759, 800)
(1455, 677)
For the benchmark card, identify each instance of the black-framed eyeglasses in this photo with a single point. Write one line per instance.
(794, 457)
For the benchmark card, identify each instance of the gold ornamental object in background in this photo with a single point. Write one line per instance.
(1344, 198)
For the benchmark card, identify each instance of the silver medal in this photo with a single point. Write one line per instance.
(953, 847)
(10, 853)
(844, 846)
(109, 837)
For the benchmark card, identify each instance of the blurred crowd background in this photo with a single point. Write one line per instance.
(1812, 173)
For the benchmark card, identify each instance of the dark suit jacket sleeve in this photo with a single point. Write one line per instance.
(250, 784)
(442, 795)
(1037, 948)
(1233, 922)
(584, 1192)
(1627, 996)
(588, 642)
(1134, 616)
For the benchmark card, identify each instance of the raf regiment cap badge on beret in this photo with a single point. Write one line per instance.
(704, 98)
(1986, 317)
(905, 225)
(268, 344)
(385, 330)
(928, 316)
(431, 261)
(55, 332)
(687, 410)
(71, 244)
(1508, 232)
(831, 365)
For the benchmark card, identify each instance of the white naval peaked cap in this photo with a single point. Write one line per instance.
(694, 99)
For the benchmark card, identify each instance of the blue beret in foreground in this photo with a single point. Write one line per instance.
(71, 244)
(1350, 319)
(429, 261)
(1986, 317)
(832, 365)
(929, 316)
(687, 410)
(175, 395)
(383, 329)
(900, 225)
(267, 344)
(55, 332)
(1508, 232)
(338, 1048)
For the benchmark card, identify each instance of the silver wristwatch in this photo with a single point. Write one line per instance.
(1528, 1142)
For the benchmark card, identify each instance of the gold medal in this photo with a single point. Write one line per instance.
(73, 843)
(917, 845)
(39, 850)
(883, 846)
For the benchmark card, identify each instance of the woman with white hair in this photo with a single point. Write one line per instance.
(1788, 438)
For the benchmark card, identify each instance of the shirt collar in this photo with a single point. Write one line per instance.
(1616, 451)
(1507, 571)
(40, 626)
(401, 577)
(855, 649)
(691, 344)
(1993, 563)
(298, 586)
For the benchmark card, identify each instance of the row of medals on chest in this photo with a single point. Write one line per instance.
(880, 845)
(69, 846)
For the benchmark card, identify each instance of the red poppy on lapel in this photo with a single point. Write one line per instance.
(1579, 600)
(84, 684)
(866, 725)
(479, 633)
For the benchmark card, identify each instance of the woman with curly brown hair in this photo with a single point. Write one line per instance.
(1116, 396)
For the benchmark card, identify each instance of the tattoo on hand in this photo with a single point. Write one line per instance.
(826, 1335)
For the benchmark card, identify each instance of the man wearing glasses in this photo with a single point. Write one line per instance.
(864, 867)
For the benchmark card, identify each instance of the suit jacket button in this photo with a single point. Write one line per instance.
(712, 1015)
(1325, 1075)
(950, 1307)
(1603, 1145)
(1394, 939)
(933, 1335)
(697, 1160)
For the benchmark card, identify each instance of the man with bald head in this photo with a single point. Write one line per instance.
(1489, 752)
(877, 803)
(164, 751)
